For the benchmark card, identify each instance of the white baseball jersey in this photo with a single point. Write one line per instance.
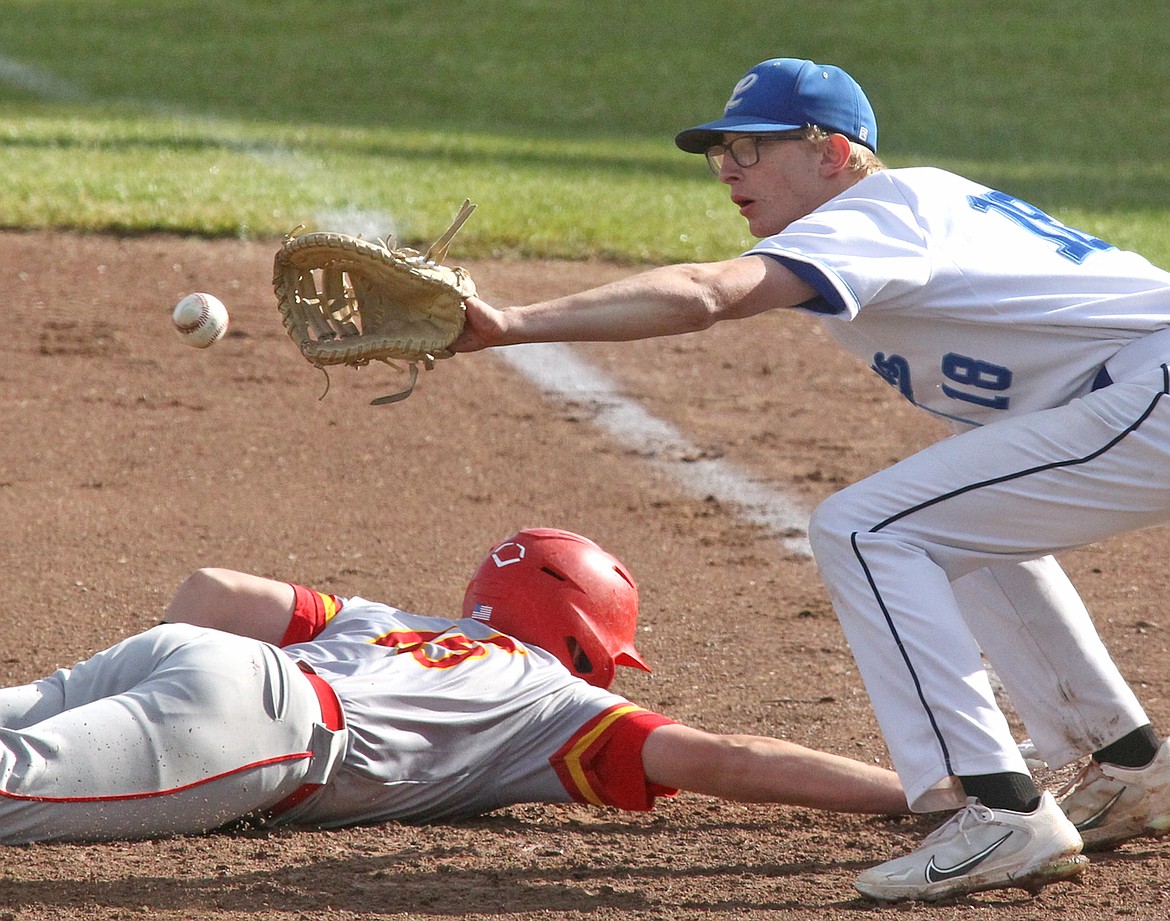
(974, 304)
(1044, 347)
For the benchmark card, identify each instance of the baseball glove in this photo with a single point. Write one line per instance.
(349, 301)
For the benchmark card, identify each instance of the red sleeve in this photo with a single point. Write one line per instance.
(311, 612)
(602, 762)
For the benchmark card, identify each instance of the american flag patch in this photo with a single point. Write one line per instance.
(481, 612)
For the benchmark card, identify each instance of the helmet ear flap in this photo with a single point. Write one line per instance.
(579, 657)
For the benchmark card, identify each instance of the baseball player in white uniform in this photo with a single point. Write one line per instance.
(1045, 349)
(273, 702)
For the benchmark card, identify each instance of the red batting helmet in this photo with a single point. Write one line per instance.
(561, 592)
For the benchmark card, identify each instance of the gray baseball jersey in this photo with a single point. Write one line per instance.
(1043, 346)
(182, 729)
(448, 719)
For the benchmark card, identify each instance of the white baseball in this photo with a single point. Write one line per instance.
(200, 320)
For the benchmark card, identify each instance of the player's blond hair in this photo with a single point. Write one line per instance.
(862, 161)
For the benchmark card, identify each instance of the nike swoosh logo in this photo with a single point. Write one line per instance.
(937, 874)
(1097, 818)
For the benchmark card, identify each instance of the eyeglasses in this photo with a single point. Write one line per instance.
(744, 150)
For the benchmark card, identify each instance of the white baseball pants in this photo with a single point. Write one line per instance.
(176, 730)
(948, 553)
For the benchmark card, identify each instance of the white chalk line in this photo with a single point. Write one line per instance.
(38, 81)
(555, 368)
(308, 172)
(559, 371)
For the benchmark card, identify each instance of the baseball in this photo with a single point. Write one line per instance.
(200, 320)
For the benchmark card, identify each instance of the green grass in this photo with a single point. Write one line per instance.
(235, 118)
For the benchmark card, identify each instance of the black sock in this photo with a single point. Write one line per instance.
(1017, 792)
(1134, 749)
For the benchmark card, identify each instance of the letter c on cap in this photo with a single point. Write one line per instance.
(740, 88)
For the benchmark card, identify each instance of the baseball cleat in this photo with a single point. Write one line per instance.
(980, 848)
(1109, 804)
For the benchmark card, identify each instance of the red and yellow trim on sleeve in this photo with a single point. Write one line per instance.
(312, 611)
(601, 763)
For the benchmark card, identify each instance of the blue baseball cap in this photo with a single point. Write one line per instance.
(786, 94)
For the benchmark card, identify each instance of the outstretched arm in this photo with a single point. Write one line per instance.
(755, 769)
(235, 602)
(660, 302)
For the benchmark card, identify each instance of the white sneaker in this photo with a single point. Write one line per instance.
(1109, 804)
(980, 848)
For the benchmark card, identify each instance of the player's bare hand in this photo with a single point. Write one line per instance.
(483, 326)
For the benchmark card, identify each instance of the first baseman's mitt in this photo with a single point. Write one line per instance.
(349, 301)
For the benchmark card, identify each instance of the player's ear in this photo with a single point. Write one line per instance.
(835, 153)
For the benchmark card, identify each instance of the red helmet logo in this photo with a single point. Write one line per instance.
(507, 553)
(562, 592)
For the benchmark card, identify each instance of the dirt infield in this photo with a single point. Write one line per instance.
(128, 459)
